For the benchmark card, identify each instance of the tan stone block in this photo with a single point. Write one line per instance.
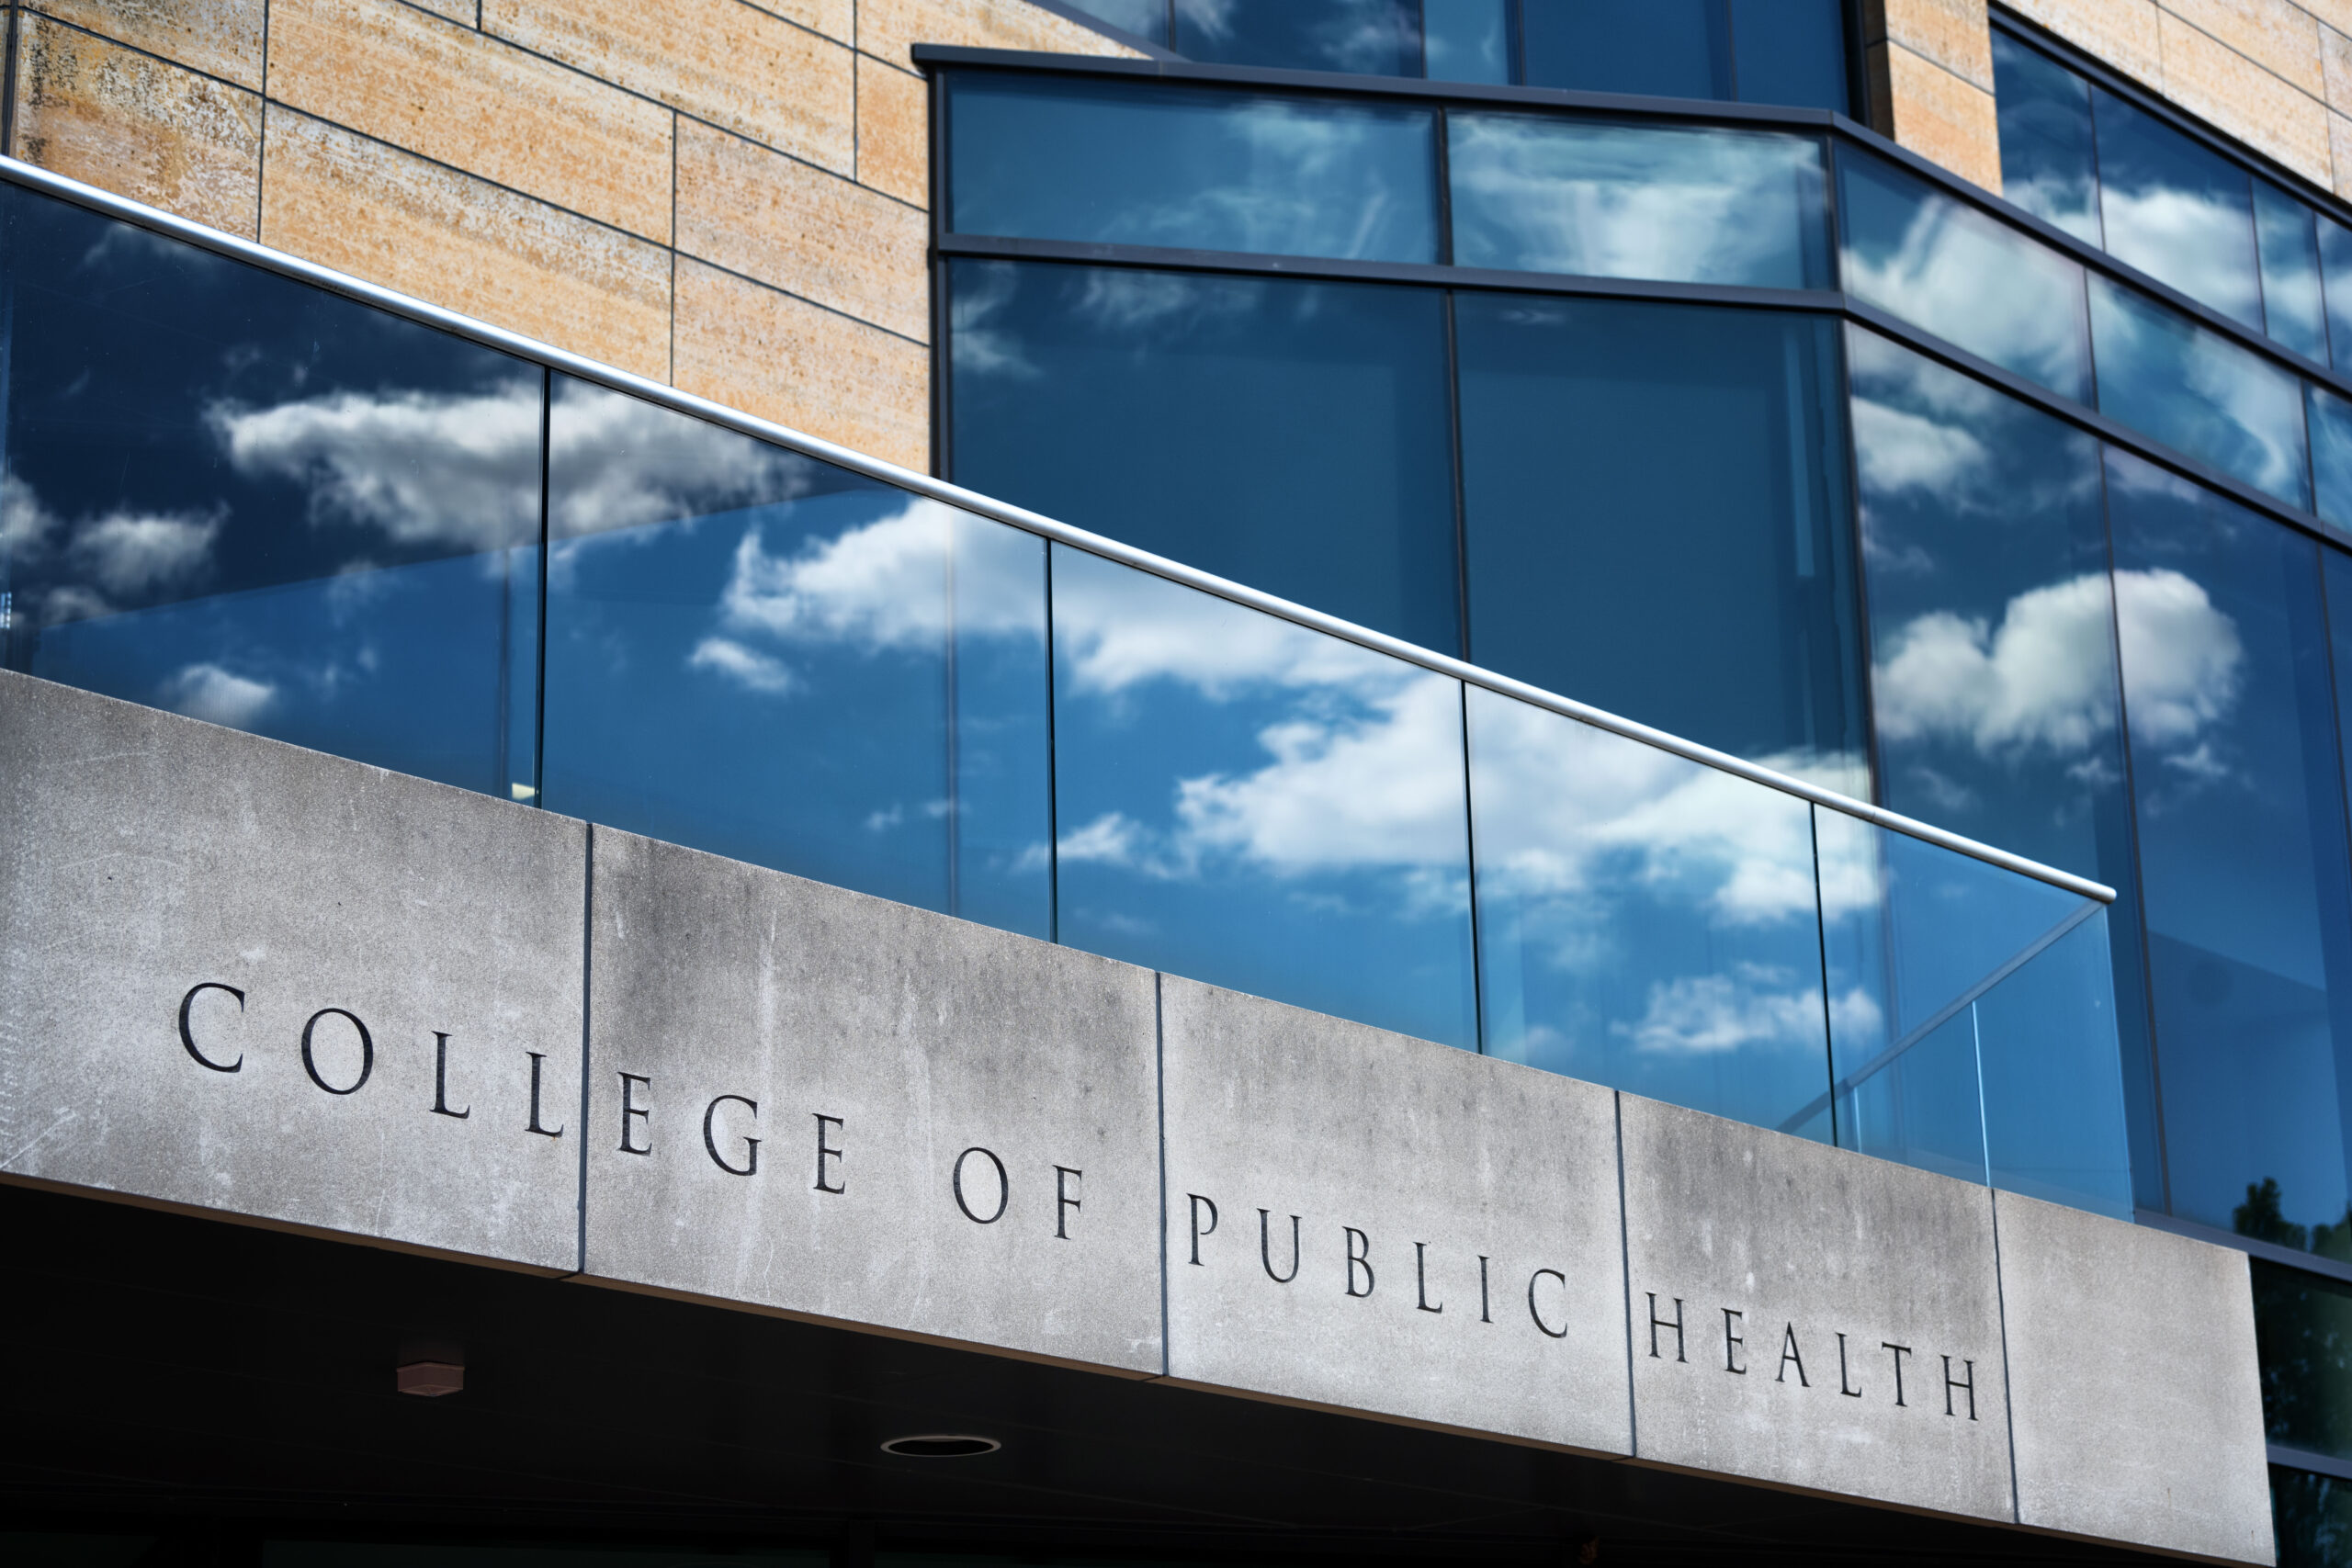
(466, 11)
(2276, 35)
(2336, 67)
(893, 130)
(391, 216)
(2242, 99)
(2124, 34)
(802, 366)
(390, 71)
(802, 230)
(2339, 144)
(131, 124)
(220, 37)
(1944, 119)
(2336, 14)
(891, 27)
(1954, 34)
(718, 59)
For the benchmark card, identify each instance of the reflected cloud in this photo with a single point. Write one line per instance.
(983, 290)
(2172, 234)
(747, 668)
(1755, 1005)
(117, 555)
(2182, 656)
(216, 695)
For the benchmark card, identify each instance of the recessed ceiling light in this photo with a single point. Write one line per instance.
(430, 1379)
(941, 1445)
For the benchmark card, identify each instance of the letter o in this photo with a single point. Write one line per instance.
(1542, 1328)
(187, 1036)
(1003, 1186)
(367, 1050)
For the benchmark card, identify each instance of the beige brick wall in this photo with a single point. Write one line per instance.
(1928, 64)
(725, 195)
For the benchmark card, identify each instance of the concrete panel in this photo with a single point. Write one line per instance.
(1807, 1280)
(220, 37)
(152, 868)
(1371, 1223)
(2138, 1399)
(957, 1126)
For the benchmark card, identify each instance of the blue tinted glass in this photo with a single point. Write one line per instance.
(2049, 1059)
(1371, 38)
(1128, 164)
(2335, 274)
(1644, 921)
(1713, 598)
(2331, 425)
(2049, 163)
(257, 503)
(1253, 804)
(1998, 706)
(2164, 376)
(1293, 436)
(749, 652)
(2242, 849)
(1965, 276)
(1684, 204)
(1672, 49)
(2177, 209)
(2291, 312)
(2312, 1516)
(1146, 18)
(1466, 41)
(2303, 1327)
(1790, 52)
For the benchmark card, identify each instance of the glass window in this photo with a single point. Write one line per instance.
(1992, 675)
(1669, 48)
(1946, 267)
(1294, 436)
(1684, 205)
(2336, 277)
(1371, 38)
(1146, 18)
(1713, 598)
(2177, 209)
(242, 499)
(2049, 160)
(2236, 773)
(1466, 41)
(2312, 1517)
(761, 655)
(1790, 52)
(2193, 389)
(2302, 1325)
(2331, 428)
(1258, 805)
(2289, 240)
(1644, 921)
(1130, 163)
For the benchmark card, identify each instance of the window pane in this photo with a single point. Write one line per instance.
(1644, 921)
(1944, 266)
(1198, 169)
(252, 502)
(1684, 205)
(1790, 52)
(2241, 820)
(749, 652)
(1998, 705)
(1713, 598)
(2331, 425)
(2177, 210)
(1253, 804)
(1372, 37)
(2195, 390)
(2049, 164)
(1294, 436)
(1466, 41)
(1145, 18)
(2291, 292)
(2335, 274)
(2312, 1517)
(1672, 49)
(2302, 1326)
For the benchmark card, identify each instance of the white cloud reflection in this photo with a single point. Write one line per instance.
(119, 553)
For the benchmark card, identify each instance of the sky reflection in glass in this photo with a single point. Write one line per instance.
(256, 504)
(2331, 432)
(2302, 1323)
(749, 652)
(2048, 155)
(1466, 41)
(1644, 921)
(2291, 308)
(1684, 205)
(2177, 209)
(1127, 164)
(1146, 18)
(1248, 803)
(1667, 49)
(1368, 38)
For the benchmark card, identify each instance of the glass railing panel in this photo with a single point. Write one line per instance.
(231, 495)
(1962, 275)
(1681, 204)
(2050, 1061)
(1645, 922)
(1247, 802)
(2195, 390)
(1137, 164)
(748, 652)
(2287, 235)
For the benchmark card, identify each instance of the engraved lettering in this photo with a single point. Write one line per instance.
(1542, 1327)
(1849, 1393)
(752, 1145)
(367, 1050)
(826, 1151)
(1732, 1342)
(1266, 1249)
(1199, 1203)
(538, 1061)
(1359, 1257)
(1003, 1186)
(187, 1036)
(441, 1080)
(1968, 1382)
(1421, 1278)
(1789, 1354)
(1657, 1323)
(1481, 1290)
(628, 1107)
(1063, 1201)
(1900, 1352)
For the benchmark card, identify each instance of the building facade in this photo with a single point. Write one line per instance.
(741, 739)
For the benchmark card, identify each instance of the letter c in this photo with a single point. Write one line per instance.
(188, 1037)
(1559, 1332)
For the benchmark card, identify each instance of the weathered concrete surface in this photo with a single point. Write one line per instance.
(2139, 1401)
(1456, 1258)
(990, 1098)
(1819, 1254)
(142, 854)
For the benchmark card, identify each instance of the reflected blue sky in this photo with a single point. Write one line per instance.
(2049, 152)
(1371, 38)
(2177, 210)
